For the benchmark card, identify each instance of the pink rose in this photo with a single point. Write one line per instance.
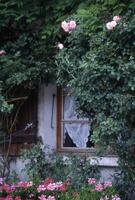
(111, 25)
(116, 19)
(72, 25)
(68, 26)
(2, 52)
(65, 26)
(60, 46)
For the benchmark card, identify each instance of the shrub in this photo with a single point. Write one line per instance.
(42, 163)
(99, 66)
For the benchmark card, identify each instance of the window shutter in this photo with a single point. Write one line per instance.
(24, 121)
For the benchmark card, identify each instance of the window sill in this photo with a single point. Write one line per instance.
(109, 160)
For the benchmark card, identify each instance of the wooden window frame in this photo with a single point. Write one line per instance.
(59, 111)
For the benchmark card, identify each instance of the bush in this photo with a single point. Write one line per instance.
(99, 66)
(42, 163)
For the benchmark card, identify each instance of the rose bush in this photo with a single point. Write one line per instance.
(98, 64)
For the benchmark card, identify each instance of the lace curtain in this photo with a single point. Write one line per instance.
(78, 132)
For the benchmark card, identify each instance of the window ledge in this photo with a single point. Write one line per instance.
(103, 161)
(111, 161)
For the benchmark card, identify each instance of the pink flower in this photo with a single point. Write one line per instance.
(51, 186)
(29, 184)
(65, 26)
(116, 19)
(60, 186)
(91, 181)
(22, 184)
(68, 26)
(111, 25)
(99, 187)
(51, 198)
(41, 188)
(107, 184)
(47, 181)
(72, 25)
(60, 46)
(7, 188)
(2, 52)
(42, 197)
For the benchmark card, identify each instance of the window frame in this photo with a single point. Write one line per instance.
(59, 134)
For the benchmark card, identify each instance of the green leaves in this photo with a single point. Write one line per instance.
(103, 64)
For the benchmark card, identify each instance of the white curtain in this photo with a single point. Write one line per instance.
(78, 132)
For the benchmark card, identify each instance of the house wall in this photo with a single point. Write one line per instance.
(47, 131)
(47, 115)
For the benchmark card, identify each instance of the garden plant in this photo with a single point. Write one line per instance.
(50, 190)
(87, 45)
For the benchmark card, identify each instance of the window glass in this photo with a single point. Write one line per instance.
(75, 131)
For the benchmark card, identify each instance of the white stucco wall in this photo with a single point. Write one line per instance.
(45, 105)
(47, 131)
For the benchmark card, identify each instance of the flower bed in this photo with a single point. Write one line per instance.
(50, 190)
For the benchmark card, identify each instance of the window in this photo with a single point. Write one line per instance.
(73, 133)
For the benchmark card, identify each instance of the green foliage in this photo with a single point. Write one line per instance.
(41, 164)
(99, 65)
(29, 33)
(85, 194)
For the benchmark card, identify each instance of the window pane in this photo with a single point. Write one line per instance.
(69, 108)
(76, 130)
(76, 135)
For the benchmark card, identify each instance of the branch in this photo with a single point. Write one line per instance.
(16, 99)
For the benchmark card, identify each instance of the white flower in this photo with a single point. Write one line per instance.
(116, 19)
(111, 25)
(65, 26)
(60, 46)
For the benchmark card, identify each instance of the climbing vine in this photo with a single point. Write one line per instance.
(91, 51)
(98, 62)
